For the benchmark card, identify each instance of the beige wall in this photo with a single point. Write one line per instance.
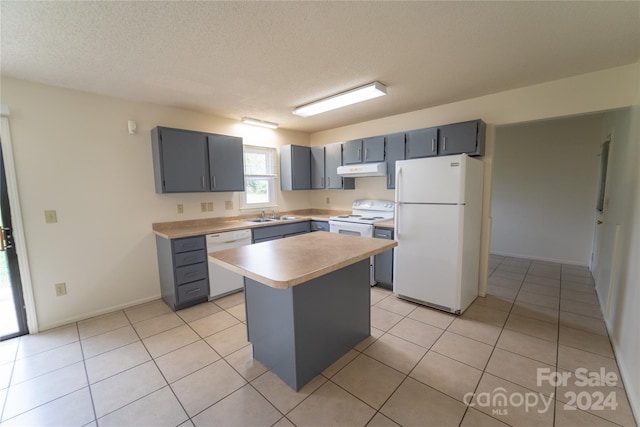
(545, 180)
(73, 153)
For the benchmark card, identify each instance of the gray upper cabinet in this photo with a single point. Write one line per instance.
(225, 155)
(422, 143)
(352, 152)
(295, 167)
(179, 160)
(368, 150)
(373, 149)
(187, 161)
(318, 181)
(466, 137)
(333, 159)
(395, 152)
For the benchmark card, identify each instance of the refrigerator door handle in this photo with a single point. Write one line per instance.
(398, 202)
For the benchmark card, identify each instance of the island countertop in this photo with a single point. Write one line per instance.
(284, 263)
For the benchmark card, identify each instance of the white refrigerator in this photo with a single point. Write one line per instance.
(437, 226)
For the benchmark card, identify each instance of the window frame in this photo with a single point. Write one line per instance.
(271, 178)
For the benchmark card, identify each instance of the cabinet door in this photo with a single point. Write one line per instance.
(182, 161)
(301, 167)
(226, 170)
(352, 152)
(317, 168)
(458, 138)
(395, 151)
(333, 159)
(373, 149)
(422, 143)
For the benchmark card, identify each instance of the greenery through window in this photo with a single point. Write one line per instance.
(259, 175)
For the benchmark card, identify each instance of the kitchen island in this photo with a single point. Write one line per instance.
(307, 299)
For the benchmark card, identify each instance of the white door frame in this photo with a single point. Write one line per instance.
(16, 218)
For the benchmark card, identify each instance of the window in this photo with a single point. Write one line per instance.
(259, 177)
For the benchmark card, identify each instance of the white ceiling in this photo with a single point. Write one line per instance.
(262, 59)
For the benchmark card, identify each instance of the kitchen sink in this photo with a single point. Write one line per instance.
(273, 219)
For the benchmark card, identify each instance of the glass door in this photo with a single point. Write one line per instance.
(13, 321)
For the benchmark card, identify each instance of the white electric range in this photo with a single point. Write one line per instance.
(364, 215)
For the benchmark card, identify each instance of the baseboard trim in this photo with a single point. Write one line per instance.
(47, 326)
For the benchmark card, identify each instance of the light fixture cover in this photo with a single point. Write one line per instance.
(256, 122)
(353, 96)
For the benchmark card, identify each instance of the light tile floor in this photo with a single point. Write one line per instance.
(148, 366)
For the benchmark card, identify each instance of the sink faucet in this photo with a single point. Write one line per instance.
(262, 214)
(273, 213)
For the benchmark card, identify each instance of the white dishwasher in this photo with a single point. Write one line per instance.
(222, 281)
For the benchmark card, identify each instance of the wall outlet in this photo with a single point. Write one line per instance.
(203, 206)
(180, 208)
(228, 205)
(50, 217)
(61, 289)
(328, 201)
(209, 206)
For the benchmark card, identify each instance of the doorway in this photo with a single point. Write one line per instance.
(13, 320)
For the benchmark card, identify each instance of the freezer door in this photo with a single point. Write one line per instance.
(431, 180)
(427, 260)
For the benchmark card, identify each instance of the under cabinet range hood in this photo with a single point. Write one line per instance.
(364, 169)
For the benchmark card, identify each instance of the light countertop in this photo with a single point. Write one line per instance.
(201, 227)
(284, 263)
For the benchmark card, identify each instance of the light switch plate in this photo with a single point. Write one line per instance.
(228, 205)
(50, 217)
(203, 206)
(180, 208)
(209, 206)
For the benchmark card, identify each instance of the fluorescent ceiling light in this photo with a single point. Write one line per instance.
(353, 96)
(256, 122)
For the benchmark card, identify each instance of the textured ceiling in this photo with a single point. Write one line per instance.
(262, 59)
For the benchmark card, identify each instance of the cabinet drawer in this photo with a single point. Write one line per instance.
(259, 234)
(188, 258)
(193, 290)
(191, 273)
(188, 244)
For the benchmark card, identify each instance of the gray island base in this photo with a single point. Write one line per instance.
(308, 299)
(300, 331)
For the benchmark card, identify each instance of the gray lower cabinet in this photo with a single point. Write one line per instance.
(317, 168)
(333, 159)
(383, 263)
(319, 226)
(280, 231)
(295, 167)
(187, 161)
(184, 276)
(395, 152)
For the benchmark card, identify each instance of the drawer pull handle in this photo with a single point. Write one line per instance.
(384, 236)
(193, 291)
(193, 273)
(191, 258)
